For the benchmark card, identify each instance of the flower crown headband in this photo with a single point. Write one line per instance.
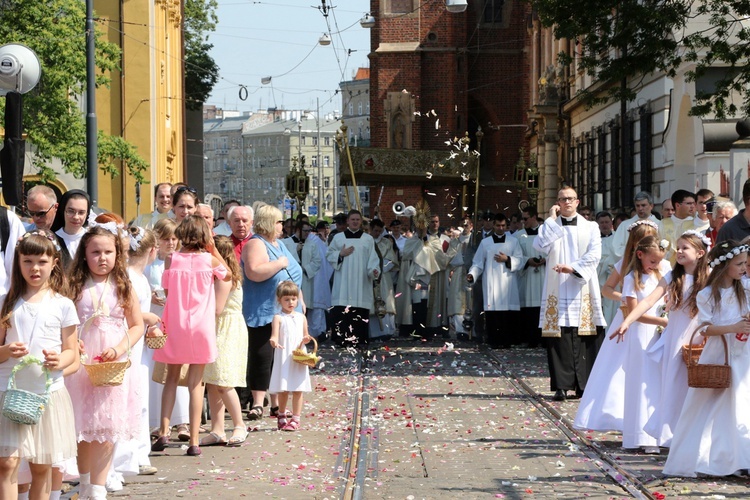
(43, 234)
(647, 222)
(731, 254)
(705, 239)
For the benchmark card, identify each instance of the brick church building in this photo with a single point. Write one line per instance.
(435, 77)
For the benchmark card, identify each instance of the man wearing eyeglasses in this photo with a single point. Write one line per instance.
(571, 307)
(41, 205)
(702, 219)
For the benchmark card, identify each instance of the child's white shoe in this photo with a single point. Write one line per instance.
(98, 492)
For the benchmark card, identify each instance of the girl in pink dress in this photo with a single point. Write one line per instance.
(189, 320)
(111, 322)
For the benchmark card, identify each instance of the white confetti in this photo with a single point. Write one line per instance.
(437, 124)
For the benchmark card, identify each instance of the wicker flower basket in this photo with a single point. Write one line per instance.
(156, 342)
(707, 376)
(301, 356)
(108, 373)
(24, 407)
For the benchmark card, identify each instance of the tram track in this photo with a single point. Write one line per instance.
(358, 453)
(599, 456)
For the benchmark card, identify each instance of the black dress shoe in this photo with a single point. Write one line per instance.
(579, 393)
(559, 395)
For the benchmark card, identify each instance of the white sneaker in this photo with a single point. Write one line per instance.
(113, 484)
(651, 450)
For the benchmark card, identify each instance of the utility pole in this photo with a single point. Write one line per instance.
(92, 147)
(321, 172)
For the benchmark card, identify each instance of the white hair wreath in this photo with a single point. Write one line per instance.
(647, 222)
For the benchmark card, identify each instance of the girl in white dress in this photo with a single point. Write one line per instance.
(713, 433)
(681, 287)
(288, 330)
(37, 322)
(642, 374)
(603, 402)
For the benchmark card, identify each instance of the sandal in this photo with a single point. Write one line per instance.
(183, 433)
(214, 439)
(238, 436)
(282, 421)
(291, 425)
(255, 413)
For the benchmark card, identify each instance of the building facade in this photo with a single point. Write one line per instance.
(611, 151)
(436, 79)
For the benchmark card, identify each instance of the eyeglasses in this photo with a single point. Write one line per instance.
(38, 215)
(569, 199)
(73, 213)
(182, 189)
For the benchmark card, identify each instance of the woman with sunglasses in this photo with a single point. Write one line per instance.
(184, 202)
(70, 222)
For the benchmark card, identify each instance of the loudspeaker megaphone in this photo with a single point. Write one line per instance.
(19, 69)
(398, 208)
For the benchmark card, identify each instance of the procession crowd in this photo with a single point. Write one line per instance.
(176, 306)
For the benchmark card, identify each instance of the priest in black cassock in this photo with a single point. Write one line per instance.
(571, 301)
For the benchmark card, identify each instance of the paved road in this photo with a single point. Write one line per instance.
(436, 423)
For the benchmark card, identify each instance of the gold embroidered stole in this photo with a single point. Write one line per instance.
(558, 255)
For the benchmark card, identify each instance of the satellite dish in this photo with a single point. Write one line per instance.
(20, 69)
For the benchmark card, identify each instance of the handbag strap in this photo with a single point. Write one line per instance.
(272, 251)
(25, 362)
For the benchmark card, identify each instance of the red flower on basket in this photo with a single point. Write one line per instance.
(98, 359)
(742, 337)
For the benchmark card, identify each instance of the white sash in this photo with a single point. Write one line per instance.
(557, 255)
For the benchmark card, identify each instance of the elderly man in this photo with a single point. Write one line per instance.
(223, 228)
(722, 211)
(667, 209)
(41, 205)
(207, 213)
(163, 204)
(571, 307)
(643, 203)
(241, 223)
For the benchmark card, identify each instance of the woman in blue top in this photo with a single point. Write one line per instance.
(266, 263)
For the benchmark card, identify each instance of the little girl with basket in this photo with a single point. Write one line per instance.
(288, 332)
(111, 323)
(37, 342)
(712, 435)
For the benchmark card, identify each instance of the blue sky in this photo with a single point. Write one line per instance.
(256, 39)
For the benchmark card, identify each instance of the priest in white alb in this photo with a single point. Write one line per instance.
(571, 300)
(355, 265)
(499, 258)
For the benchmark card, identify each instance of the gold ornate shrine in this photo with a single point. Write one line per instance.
(400, 166)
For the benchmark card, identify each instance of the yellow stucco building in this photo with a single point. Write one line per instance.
(145, 101)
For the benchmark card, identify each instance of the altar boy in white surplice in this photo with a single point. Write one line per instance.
(571, 301)
(499, 257)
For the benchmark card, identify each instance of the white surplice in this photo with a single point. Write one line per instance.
(500, 282)
(353, 274)
(531, 278)
(564, 239)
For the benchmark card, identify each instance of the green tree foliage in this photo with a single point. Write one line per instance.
(201, 71)
(53, 112)
(724, 42)
(616, 39)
